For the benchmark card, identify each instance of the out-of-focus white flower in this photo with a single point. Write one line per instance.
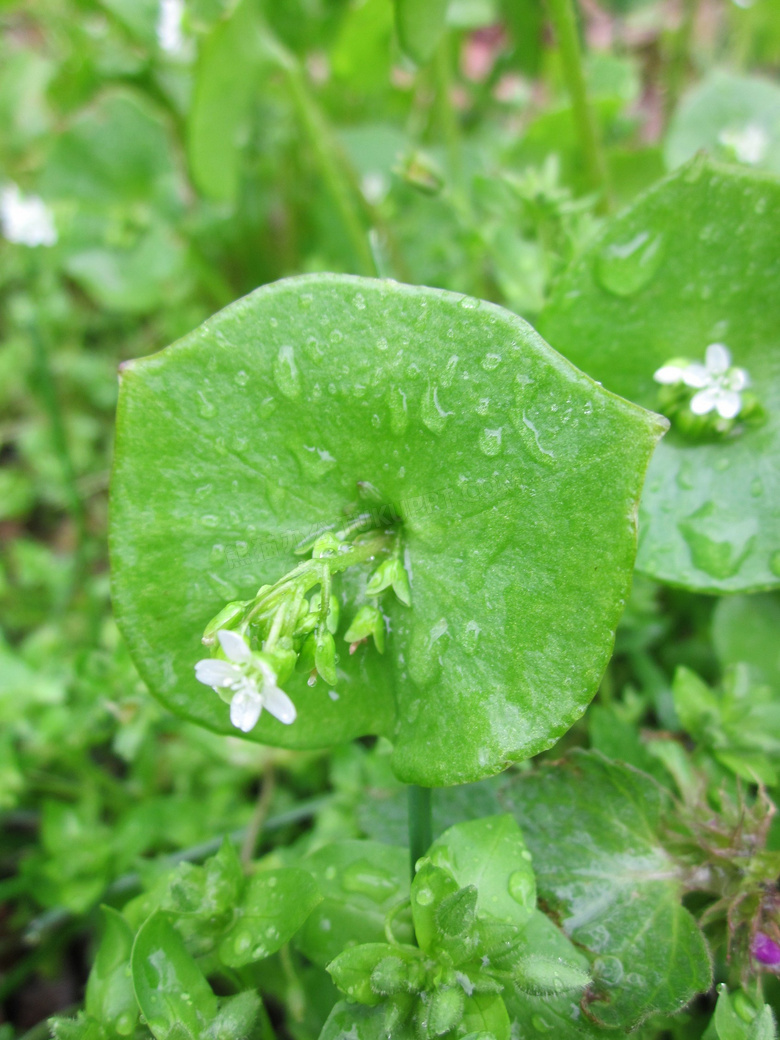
(26, 219)
(251, 680)
(719, 383)
(170, 34)
(750, 144)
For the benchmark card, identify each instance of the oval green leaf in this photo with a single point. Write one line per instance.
(694, 261)
(515, 476)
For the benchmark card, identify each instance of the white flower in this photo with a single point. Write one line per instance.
(719, 383)
(249, 678)
(169, 27)
(28, 221)
(749, 145)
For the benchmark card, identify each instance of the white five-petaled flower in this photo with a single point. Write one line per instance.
(26, 219)
(250, 679)
(749, 145)
(719, 383)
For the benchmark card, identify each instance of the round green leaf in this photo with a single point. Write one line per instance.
(515, 476)
(692, 262)
(733, 117)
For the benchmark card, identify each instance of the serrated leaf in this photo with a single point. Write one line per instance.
(534, 514)
(692, 262)
(361, 881)
(592, 826)
(274, 905)
(172, 992)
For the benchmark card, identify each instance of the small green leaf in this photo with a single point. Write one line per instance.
(361, 882)
(456, 914)
(486, 1013)
(593, 826)
(225, 81)
(491, 855)
(273, 907)
(172, 993)
(737, 1018)
(431, 887)
(420, 25)
(547, 976)
(237, 1017)
(110, 998)
(355, 1021)
(353, 969)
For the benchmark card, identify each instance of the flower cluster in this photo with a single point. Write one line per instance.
(716, 389)
(292, 625)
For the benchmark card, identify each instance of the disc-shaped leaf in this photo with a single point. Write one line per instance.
(694, 261)
(515, 477)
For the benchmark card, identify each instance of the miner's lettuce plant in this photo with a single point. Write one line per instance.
(385, 540)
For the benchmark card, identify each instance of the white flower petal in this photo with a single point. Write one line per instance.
(669, 374)
(718, 358)
(728, 404)
(279, 704)
(704, 401)
(697, 376)
(213, 672)
(245, 710)
(737, 379)
(234, 646)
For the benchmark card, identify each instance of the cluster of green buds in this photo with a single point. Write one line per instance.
(451, 983)
(257, 644)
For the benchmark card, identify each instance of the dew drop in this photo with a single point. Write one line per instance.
(470, 637)
(286, 374)
(608, 970)
(522, 888)
(368, 880)
(623, 268)
(209, 520)
(360, 302)
(399, 415)
(448, 374)
(469, 303)
(433, 415)
(242, 943)
(541, 1025)
(490, 442)
(241, 378)
(424, 897)
(336, 336)
(381, 343)
(305, 300)
(490, 362)
(207, 409)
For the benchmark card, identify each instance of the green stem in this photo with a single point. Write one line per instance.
(309, 573)
(420, 822)
(329, 159)
(680, 56)
(448, 119)
(565, 23)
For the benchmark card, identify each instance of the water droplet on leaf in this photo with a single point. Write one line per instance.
(623, 268)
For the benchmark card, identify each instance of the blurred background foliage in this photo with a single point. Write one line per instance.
(187, 154)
